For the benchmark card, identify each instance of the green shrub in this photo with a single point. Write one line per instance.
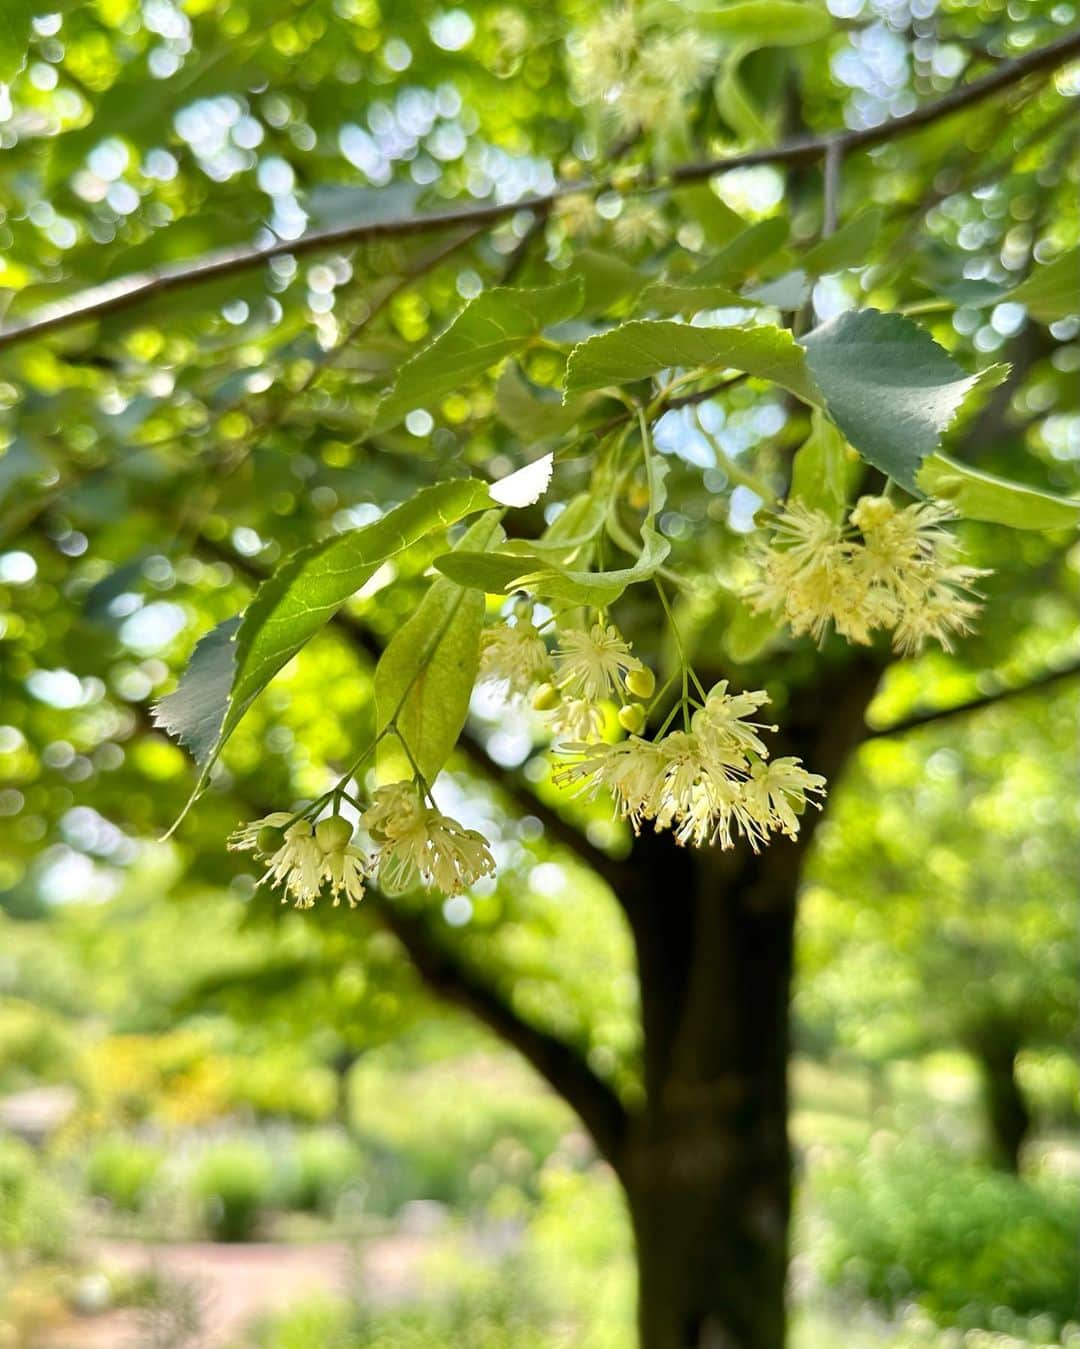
(122, 1170)
(963, 1241)
(35, 1214)
(232, 1185)
(321, 1166)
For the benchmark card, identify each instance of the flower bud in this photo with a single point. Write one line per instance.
(333, 833)
(872, 513)
(268, 840)
(641, 682)
(632, 718)
(545, 698)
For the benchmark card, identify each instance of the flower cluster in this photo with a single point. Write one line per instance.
(514, 656)
(302, 857)
(419, 845)
(415, 844)
(900, 572)
(707, 784)
(643, 78)
(588, 667)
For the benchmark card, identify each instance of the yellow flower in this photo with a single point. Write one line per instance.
(297, 866)
(593, 665)
(419, 845)
(721, 724)
(777, 792)
(247, 837)
(576, 719)
(515, 656)
(640, 222)
(904, 575)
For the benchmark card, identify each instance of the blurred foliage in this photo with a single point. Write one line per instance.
(906, 1222)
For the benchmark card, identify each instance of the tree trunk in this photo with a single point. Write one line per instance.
(707, 1162)
(1007, 1116)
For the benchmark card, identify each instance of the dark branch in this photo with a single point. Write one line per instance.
(126, 291)
(560, 1065)
(933, 715)
(511, 785)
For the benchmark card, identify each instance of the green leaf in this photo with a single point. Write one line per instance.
(424, 678)
(606, 280)
(888, 386)
(16, 25)
(743, 254)
(497, 324)
(643, 348)
(761, 23)
(295, 603)
(720, 223)
(664, 298)
(1052, 292)
(734, 103)
(848, 247)
(493, 572)
(787, 292)
(599, 588)
(821, 471)
(194, 713)
(748, 634)
(535, 415)
(983, 496)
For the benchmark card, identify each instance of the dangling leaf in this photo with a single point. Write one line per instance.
(295, 603)
(497, 324)
(424, 678)
(642, 348)
(888, 386)
(1052, 292)
(821, 471)
(983, 496)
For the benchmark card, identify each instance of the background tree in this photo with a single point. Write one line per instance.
(183, 421)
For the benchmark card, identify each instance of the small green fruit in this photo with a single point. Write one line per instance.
(269, 839)
(632, 718)
(333, 833)
(545, 698)
(641, 683)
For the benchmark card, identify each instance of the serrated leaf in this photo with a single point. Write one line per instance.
(424, 678)
(848, 247)
(821, 470)
(787, 292)
(606, 280)
(888, 386)
(497, 324)
(16, 25)
(984, 496)
(1052, 292)
(297, 601)
(533, 418)
(743, 254)
(664, 298)
(643, 348)
(195, 712)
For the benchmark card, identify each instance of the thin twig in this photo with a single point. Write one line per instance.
(114, 296)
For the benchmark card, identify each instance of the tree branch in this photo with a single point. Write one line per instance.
(511, 785)
(114, 296)
(557, 1062)
(932, 715)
